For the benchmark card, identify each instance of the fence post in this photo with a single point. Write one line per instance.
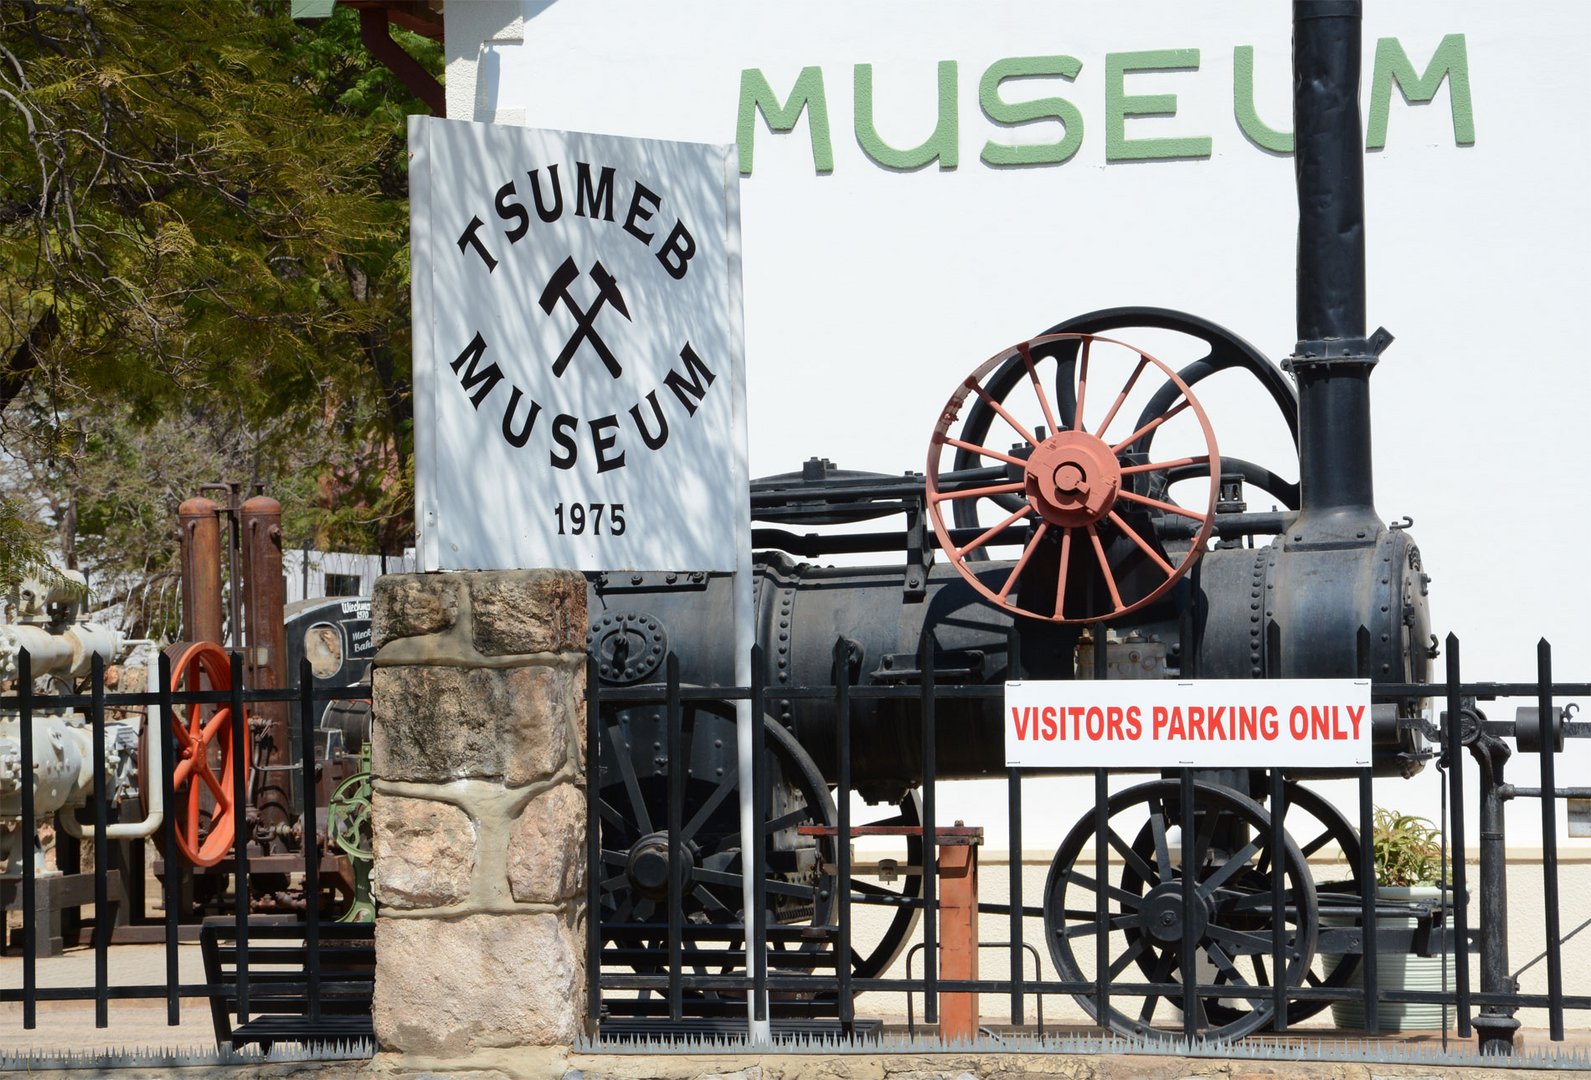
(1547, 740)
(479, 813)
(1453, 753)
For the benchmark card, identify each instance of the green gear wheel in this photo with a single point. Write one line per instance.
(348, 822)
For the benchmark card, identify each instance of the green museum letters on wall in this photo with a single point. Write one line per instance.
(1006, 78)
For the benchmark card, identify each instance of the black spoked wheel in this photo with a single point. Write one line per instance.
(635, 843)
(1146, 913)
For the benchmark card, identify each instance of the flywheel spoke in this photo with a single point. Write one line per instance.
(1033, 377)
(977, 493)
(207, 735)
(1161, 972)
(1021, 563)
(1082, 384)
(986, 451)
(1163, 466)
(1133, 951)
(1007, 417)
(1157, 824)
(993, 531)
(726, 785)
(221, 798)
(1060, 578)
(1104, 568)
(1158, 504)
(1143, 545)
(1145, 872)
(1150, 426)
(1115, 407)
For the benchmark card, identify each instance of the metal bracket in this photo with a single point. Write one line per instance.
(919, 557)
(1323, 354)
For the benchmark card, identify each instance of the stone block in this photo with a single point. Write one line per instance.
(425, 852)
(448, 987)
(410, 605)
(436, 724)
(528, 611)
(546, 847)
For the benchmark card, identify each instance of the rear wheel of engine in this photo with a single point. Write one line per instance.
(1146, 913)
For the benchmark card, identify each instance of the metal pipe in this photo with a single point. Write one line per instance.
(155, 797)
(68, 653)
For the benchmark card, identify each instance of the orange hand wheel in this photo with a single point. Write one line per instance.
(1073, 490)
(205, 799)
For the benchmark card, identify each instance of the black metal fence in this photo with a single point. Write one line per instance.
(676, 955)
(667, 950)
(253, 980)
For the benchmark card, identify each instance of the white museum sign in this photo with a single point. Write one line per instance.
(578, 361)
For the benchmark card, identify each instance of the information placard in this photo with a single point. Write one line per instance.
(1202, 723)
(578, 367)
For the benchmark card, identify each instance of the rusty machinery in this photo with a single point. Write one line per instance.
(241, 539)
(1075, 507)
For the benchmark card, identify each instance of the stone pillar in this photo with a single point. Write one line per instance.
(477, 756)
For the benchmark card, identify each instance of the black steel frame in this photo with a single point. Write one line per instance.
(1460, 728)
(94, 704)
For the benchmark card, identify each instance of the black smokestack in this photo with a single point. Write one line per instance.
(1333, 359)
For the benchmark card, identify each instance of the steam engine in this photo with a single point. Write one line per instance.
(1076, 518)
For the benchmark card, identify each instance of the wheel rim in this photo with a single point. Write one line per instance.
(1144, 912)
(1073, 487)
(203, 778)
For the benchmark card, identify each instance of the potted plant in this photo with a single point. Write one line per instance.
(1409, 867)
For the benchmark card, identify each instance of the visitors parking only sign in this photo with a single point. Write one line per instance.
(578, 367)
(1202, 723)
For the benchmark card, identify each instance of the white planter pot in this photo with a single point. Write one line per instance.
(1400, 971)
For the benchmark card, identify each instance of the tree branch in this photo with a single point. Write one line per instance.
(24, 359)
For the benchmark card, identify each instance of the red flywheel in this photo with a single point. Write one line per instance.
(1075, 491)
(206, 801)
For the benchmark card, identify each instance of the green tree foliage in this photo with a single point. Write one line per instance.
(203, 248)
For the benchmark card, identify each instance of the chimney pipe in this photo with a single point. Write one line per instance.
(1333, 358)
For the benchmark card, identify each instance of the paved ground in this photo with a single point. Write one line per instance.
(70, 1026)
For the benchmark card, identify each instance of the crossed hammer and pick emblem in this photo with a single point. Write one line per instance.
(585, 318)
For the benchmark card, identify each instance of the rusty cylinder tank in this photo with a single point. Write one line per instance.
(264, 602)
(199, 534)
